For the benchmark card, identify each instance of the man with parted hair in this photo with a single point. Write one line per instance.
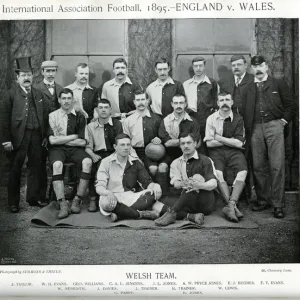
(193, 177)
(162, 90)
(171, 127)
(101, 138)
(67, 144)
(120, 90)
(142, 128)
(119, 180)
(236, 83)
(201, 92)
(86, 97)
(225, 137)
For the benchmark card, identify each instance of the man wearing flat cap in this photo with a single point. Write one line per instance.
(51, 90)
(267, 107)
(24, 123)
(236, 83)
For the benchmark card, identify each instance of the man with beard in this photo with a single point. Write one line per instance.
(202, 93)
(86, 96)
(101, 137)
(236, 83)
(225, 138)
(24, 123)
(67, 140)
(120, 91)
(51, 90)
(267, 107)
(171, 127)
(119, 181)
(162, 90)
(193, 177)
(142, 128)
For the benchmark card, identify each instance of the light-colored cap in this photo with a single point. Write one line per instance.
(49, 64)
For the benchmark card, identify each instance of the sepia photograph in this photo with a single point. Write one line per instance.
(149, 142)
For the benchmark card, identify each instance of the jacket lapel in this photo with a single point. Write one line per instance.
(45, 90)
(38, 100)
(267, 83)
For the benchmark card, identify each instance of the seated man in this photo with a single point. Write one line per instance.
(173, 125)
(192, 175)
(142, 127)
(224, 138)
(67, 140)
(118, 183)
(101, 137)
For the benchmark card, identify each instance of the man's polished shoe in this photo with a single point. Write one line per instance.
(260, 206)
(278, 213)
(14, 209)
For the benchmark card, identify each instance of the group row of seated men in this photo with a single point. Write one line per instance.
(106, 137)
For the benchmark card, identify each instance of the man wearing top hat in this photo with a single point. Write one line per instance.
(51, 90)
(236, 83)
(267, 107)
(24, 122)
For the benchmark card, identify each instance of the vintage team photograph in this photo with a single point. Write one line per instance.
(149, 141)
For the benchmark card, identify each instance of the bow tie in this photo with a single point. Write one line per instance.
(49, 86)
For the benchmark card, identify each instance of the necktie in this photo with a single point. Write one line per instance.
(50, 86)
(238, 80)
(27, 90)
(260, 85)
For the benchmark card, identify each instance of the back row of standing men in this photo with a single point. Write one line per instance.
(265, 103)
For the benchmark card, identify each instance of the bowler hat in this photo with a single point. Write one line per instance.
(257, 60)
(49, 64)
(23, 64)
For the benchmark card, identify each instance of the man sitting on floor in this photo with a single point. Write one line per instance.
(118, 183)
(67, 139)
(225, 136)
(192, 175)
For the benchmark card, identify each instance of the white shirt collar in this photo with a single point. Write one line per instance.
(220, 117)
(48, 82)
(64, 113)
(168, 81)
(241, 78)
(147, 113)
(114, 82)
(113, 157)
(185, 117)
(205, 79)
(24, 89)
(110, 122)
(264, 79)
(74, 86)
(195, 155)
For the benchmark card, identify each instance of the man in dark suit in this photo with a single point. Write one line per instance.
(24, 122)
(267, 107)
(236, 83)
(51, 90)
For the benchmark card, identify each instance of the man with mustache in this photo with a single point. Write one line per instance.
(51, 90)
(267, 107)
(236, 83)
(224, 136)
(194, 181)
(86, 97)
(171, 127)
(67, 144)
(142, 128)
(126, 189)
(101, 138)
(202, 93)
(162, 90)
(119, 91)
(24, 123)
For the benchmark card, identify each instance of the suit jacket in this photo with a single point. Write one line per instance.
(279, 100)
(52, 99)
(14, 114)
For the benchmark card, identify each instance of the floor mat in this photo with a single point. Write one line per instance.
(47, 217)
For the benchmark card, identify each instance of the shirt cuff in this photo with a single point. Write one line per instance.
(284, 121)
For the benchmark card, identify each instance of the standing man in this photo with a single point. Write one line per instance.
(192, 175)
(267, 107)
(51, 90)
(162, 90)
(118, 183)
(67, 140)
(171, 127)
(142, 128)
(225, 138)
(86, 96)
(24, 123)
(101, 138)
(201, 92)
(236, 83)
(120, 90)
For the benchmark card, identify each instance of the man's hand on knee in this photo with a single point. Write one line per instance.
(112, 201)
